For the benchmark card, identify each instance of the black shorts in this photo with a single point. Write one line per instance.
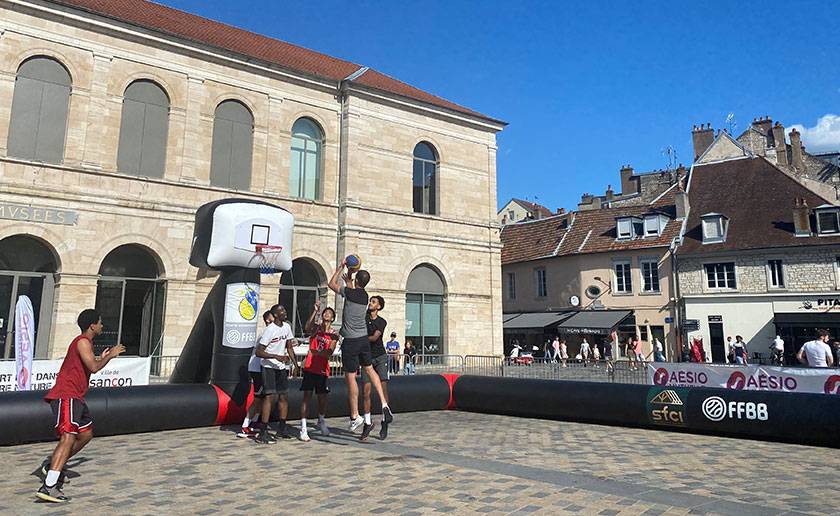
(380, 365)
(71, 416)
(314, 382)
(275, 381)
(257, 380)
(355, 352)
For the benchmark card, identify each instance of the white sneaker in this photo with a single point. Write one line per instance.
(356, 423)
(325, 430)
(304, 436)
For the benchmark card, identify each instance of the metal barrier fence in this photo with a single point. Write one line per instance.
(621, 371)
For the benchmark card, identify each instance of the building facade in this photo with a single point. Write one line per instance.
(518, 210)
(613, 264)
(119, 119)
(759, 254)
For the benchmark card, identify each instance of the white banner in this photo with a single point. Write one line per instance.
(24, 343)
(749, 378)
(120, 372)
(242, 302)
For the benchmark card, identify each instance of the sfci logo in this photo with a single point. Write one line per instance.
(666, 407)
(716, 409)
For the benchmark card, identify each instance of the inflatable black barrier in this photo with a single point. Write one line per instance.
(787, 417)
(25, 417)
(797, 418)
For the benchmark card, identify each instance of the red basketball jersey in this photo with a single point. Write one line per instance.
(73, 377)
(318, 364)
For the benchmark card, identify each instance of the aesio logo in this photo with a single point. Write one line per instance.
(716, 409)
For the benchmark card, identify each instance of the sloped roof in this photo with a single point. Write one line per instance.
(180, 24)
(757, 197)
(534, 207)
(590, 231)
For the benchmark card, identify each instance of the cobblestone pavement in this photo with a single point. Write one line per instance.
(433, 462)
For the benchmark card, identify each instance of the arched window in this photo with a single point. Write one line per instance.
(39, 111)
(424, 317)
(305, 174)
(26, 269)
(131, 296)
(233, 142)
(299, 289)
(425, 179)
(143, 130)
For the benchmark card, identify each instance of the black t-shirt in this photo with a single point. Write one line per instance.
(377, 348)
(410, 353)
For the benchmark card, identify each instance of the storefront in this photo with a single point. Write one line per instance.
(531, 329)
(596, 327)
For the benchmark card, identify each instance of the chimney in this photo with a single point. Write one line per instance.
(765, 125)
(681, 202)
(609, 193)
(702, 137)
(628, 186)
(801, 218)
(781, 148)
(796, 150)
(561, 211)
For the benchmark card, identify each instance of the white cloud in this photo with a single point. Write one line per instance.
(823, 137)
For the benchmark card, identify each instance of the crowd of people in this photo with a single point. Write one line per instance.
(821, 351)
(556, 351)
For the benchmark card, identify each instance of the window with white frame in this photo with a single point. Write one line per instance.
(650, 275)
(623, 277)
(511, 285)
(511, 215)
(720, 275)
(624, 228)
(542, 286)
(775, 274)
(827, 222)
(714, 228)
(652, 226)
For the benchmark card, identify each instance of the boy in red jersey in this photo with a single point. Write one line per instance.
(73, 423)
(316, 369)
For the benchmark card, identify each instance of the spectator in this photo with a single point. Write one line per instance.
(584, 351)
(816, 353)
(596, 354)
(607, 346)
(637, 350)
(564, 352)
(740, 350)
(392, 347)
(547, 351)
(836, 346)
(657, 351)
(556, 347)
(777, 349)
(410, 357)
(730, 351)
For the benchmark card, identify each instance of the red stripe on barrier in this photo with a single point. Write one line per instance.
(451, 379)
(229, 412)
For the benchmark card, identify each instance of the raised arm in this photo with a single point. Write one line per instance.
(309, 329)
(91, 361)
(333, 283)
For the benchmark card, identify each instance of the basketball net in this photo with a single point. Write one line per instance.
(268, 257)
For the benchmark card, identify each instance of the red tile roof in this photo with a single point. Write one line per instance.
(590, 231)
(758, 199)
(174, 22)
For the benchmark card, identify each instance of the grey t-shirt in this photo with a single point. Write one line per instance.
(353, 324)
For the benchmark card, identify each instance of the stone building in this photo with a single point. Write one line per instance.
(588, 273)
(520, 210)
(119, 119)
(760, 251)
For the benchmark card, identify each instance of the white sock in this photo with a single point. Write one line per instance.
(303, 424)
(52, 478)
(367, 418)
(246, 422)
(384, 406)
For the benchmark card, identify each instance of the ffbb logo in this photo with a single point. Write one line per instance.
(666, 407)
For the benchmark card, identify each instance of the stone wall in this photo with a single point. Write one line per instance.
(365, 205)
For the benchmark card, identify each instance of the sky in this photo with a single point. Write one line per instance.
(585, 87)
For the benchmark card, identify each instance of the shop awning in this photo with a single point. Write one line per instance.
(534, 320)
(807, 318)
(596, 322)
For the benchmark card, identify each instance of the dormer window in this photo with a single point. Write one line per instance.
(653, 225)
(714, 227)
(624, 228)
(828, 222)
